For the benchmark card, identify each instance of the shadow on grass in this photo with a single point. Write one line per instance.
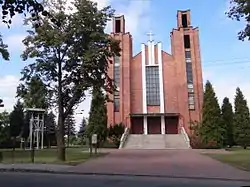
(74, 156)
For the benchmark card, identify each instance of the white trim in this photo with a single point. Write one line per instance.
(149, 53)
(145, 125)
(152, 52)
(163, 125)
(162, 108)
(144, 97)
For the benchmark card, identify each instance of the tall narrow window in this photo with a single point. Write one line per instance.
(117, 26)
(152, 85)
(189, 72)
(184, 20)
(191, 102)
(116, 83)
(186, 41)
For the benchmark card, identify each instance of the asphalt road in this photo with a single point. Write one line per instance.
(53, 180)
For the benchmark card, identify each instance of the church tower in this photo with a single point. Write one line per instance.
(119, 71)
(186, 52)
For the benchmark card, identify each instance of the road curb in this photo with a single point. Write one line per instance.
(18, 170)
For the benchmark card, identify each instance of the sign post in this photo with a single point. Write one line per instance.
(94, 142)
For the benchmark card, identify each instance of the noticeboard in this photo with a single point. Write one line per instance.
(94, 139)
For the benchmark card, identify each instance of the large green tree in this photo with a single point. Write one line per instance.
(211, 129)
(72, 56)
(50, 125)
(240, 10)
(227, 120)
(4, 129)
(97, 123)
(70, 126)
(16, 121)
(34, 93)
(241, 120)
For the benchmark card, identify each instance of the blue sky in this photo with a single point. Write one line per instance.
(225, 59)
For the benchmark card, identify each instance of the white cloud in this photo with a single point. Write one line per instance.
(15, 42)
(8, 85)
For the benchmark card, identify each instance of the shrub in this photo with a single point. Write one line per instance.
(115, 133)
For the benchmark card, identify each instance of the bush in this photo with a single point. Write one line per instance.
(115, 133)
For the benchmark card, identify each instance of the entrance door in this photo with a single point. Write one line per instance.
(171, 125)
(137, 125)
(154, 125)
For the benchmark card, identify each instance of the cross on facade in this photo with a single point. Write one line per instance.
(150, 34)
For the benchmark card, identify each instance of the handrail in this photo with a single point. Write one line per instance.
(185, 135)
(124, 137)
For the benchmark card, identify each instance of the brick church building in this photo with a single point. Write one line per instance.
(157, 92)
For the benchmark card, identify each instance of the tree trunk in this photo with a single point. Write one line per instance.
(60, 139)
(60, 130)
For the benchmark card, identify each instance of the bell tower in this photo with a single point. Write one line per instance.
(119, 71)
(186, 51)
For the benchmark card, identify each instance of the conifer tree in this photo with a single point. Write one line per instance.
(211, 129)
(241, 120)
(227, 120)
(97, 123)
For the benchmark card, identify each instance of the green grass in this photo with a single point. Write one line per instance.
(74, 156)
(236, 157)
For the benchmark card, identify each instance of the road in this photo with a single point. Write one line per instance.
(52, 180)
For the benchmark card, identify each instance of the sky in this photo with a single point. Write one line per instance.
(225, 59)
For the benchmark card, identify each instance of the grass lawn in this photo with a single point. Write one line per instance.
(236, 157)
(74, 156)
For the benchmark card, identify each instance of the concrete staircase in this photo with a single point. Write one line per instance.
(168, 141)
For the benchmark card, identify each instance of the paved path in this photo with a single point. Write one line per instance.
(48, 180)
(176, 163)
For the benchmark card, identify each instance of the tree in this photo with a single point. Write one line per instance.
(83, 127)
(4, 129)
(50, 125)
(227, 120)
(240, 9)
(16, 121)
(211, 128)
(3, 49)
(97, 123)
(69, 126)
(115, 133)
(34, 93)
(241, 120)
(72, 56)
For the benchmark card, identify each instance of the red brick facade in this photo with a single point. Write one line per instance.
(174, 111)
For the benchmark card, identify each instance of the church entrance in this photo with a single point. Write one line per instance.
(171, 125)
(154, 125)
(136, 125)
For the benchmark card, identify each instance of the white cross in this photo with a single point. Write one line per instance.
(150, 34)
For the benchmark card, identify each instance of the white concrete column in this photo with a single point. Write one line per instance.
(149, 53)
(152, 52)
(162, 108)
(145, 125)
(144, 96)
(163, 125)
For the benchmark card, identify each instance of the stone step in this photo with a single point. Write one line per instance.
(168, 141)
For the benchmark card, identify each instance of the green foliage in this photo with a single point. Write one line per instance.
(241, 120)
(34, 93)
(16, 120)
(194, 136)
(83, 126)
(240, 9)
(97, 123)
(71, 55)
(3, 49)
(4, 128)
(70, 124)
(10, 8)
(115, 133)
(211, 130)
(227, 120)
